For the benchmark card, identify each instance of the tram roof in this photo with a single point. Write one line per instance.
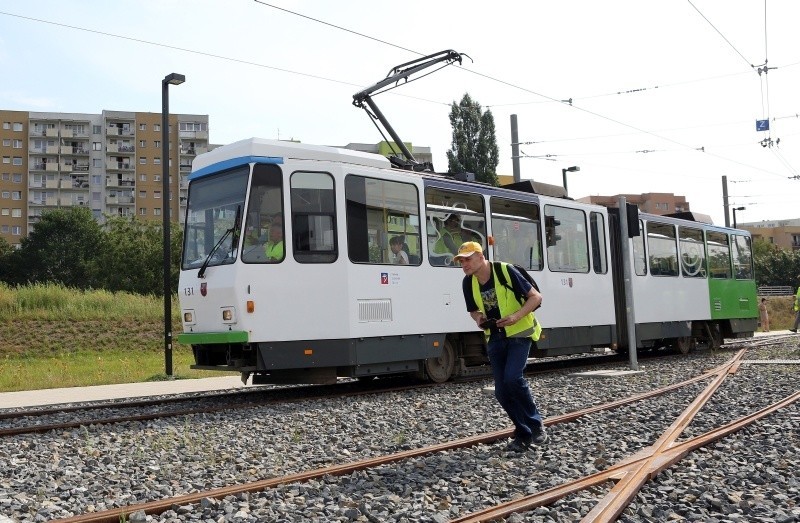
(278, 151)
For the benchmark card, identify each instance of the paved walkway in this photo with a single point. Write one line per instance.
(32, 398)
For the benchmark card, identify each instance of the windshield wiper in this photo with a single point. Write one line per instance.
(233, 228)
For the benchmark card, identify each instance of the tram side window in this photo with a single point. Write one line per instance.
(663, 249)
(742, 257)
(264, 229)
(719, 255)
(517, 233)
(381, 213)
(597, 225)
(693, 252)
(567, 241)
(313, 217)
(639, 255)
(452, 218)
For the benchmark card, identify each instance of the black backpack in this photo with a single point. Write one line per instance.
(501, 277)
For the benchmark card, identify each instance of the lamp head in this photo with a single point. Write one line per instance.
(174, 79)
(739, 208)
(573, 169)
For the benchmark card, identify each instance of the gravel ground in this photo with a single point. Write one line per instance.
(749, 476)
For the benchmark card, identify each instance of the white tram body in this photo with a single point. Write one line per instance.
(327, 300)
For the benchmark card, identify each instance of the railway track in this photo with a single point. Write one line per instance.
(44, 420)
(627, 475)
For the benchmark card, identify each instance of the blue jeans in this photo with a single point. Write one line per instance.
(508, 357)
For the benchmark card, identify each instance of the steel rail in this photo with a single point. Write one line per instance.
(668, 458)
(46, 427)
(614, 503)
(159, 506)
(649, 461)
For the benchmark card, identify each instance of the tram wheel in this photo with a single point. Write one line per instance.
(441, 368)
(684, 344)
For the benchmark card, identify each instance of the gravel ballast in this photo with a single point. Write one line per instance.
(749, 476)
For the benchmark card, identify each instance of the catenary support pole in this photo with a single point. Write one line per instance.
(515, 148)
(630, 317)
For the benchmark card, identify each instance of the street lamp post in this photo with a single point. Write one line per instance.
(564, 172)
(171, 79)
(734, 214)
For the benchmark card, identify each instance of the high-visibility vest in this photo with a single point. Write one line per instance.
(526, 327)
(274, 250)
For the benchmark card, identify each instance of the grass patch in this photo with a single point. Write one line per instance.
(84, 368)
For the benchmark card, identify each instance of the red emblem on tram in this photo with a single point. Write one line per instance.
(204, 288)
(384, 278)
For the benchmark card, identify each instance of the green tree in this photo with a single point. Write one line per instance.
(131, 257)
(61, 249)
(474, 146)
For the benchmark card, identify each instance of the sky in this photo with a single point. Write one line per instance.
(664, 95)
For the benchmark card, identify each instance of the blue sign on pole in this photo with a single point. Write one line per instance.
(762, 125)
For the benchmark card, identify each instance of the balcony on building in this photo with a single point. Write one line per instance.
(117, 181)
(120, 166)
(124, 129)
(74, 150)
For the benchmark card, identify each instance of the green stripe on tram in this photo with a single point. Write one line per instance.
(209, 338)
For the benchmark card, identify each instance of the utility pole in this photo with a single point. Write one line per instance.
(725, 200)
(515, 148)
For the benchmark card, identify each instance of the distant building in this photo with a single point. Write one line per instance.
(421, 154)
(109, 162)
(653, 202)
(782, 233)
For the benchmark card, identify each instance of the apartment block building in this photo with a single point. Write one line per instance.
(110, 162)
(784, 234)
(652, 202)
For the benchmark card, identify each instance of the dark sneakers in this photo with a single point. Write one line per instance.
(539, 436)
(519, 444)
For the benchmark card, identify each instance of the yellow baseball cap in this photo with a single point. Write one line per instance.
(467, 249)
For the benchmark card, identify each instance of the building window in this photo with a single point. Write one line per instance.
(17, 178)
(4, 229)
(17, 126)
(156, 127)
(142, 126)
(6, 159)
(17, 160)
(6, 142)
(157, 212)
(142, 143)
(6, 177)
(142, 161)
(142, 211)
(4, 212)
(16, 195)
(96, 129)
(16, 230)
(97, 146)
(157, 144)
(6, 125)
(17, 144)
(16, 213)
(95, 196)
(5, 194)
(142, 177)
(157, 161)
(156, 194)
(142, 194)
(156, 177)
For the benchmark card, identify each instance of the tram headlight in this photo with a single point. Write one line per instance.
(188, 317)
(228, 315)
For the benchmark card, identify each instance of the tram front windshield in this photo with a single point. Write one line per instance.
(215, 212)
